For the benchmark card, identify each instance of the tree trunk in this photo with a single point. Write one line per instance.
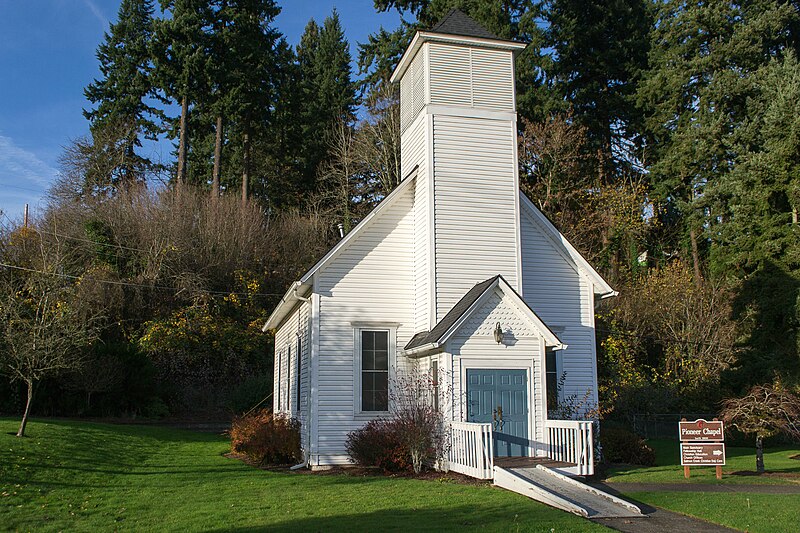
(217, 159)
(698, 276)
(21, 432)
(182, 142)
(759, 454)
(245, 167)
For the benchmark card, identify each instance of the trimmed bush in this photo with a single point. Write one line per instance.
(266, 438)
(379, 443)
(623, 446)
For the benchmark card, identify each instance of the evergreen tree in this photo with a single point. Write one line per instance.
(180, 60)
(600, 49)
(757, 236)
(251, 48)
(329, 95)
(122, 98)
(695, 98)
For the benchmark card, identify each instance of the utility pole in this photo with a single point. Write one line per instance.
(26, 215)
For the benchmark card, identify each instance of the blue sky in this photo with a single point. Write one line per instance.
(47, 57)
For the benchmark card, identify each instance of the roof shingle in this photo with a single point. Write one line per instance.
(427, 337)
(458, 23)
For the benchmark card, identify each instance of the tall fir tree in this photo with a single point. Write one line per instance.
(756, 235)
(600, 49)
(253, 64)
(123, 97)
(180, 58)
(695, 96)
(329, 93)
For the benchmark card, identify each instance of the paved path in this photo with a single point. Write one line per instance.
(698, 487)
(661, 521)
(655, 520)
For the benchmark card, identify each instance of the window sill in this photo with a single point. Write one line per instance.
(371, 415)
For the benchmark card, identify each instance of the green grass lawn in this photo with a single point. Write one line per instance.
(755, 513)
(767, 513)
(668, 467)
(69, 475)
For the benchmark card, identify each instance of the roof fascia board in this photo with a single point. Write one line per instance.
(422, 37)
(422, 350)
(342, 244)
(558, 238)
(286, 305)
(287, 302)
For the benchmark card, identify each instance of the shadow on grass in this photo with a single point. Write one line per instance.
(446, 518)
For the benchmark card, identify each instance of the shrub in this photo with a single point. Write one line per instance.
(413, 437)
(378, 443)
(266, 438)
(623, 446)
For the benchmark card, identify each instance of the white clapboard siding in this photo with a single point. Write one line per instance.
(371, 280)
(406, 101)
(475, 340)
(414, 154)
(287, 336)
(475, 198)
(561, 296)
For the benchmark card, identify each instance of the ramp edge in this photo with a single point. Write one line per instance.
(619, 501)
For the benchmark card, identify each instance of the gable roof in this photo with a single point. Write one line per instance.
(605, 290)
(455, 318)
(292, 295)
(456, 22)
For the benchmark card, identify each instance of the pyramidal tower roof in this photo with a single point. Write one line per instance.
(455, 28)
(456, 22)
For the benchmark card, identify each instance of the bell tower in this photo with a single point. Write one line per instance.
(458, 128)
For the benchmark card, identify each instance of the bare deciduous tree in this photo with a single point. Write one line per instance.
(45, 332)
(764, 411)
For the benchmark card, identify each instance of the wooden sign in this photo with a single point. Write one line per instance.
(702, 453)
(701, 430)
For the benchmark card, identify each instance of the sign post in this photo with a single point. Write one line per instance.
(702, 444)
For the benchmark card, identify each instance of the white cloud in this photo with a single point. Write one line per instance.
(24, 178)
(97, 13)
(22, 168)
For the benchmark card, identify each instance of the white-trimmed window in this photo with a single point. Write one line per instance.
(553, 368)
(299, 370)
(278, 380)
(374, 359)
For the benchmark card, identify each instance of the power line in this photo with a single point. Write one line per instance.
(22, 188)
(129, 284)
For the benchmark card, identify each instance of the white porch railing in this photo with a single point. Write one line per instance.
(471, 450)
(571, 441)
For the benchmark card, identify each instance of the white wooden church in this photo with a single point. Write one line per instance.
(455, 273)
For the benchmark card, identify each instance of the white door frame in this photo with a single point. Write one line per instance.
(505, 362)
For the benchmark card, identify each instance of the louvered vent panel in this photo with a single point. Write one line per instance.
(450, 75)
(492, 80)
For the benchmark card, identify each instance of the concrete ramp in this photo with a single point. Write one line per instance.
(557, 490)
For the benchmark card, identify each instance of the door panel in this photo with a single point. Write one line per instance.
(500, 397)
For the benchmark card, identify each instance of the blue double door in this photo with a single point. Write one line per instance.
(500, 397)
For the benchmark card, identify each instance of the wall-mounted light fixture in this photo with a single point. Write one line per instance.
(498, 333)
